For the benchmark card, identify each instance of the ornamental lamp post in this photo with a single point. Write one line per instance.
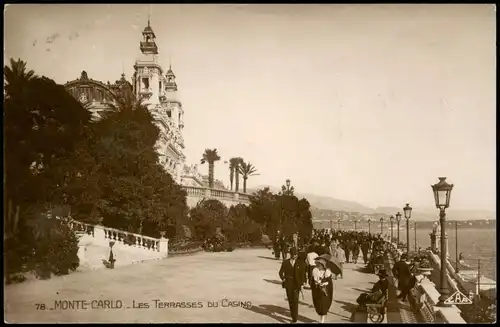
(369, 226)
(442, 193)
(398, 219)
(355, 224)
(407, 211)
(338, 224)
(392, 222)
(284, 191)
(382, 225)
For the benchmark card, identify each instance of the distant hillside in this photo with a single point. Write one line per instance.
(325, 202)
(324, 207)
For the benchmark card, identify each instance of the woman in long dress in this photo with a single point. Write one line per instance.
(322, 291)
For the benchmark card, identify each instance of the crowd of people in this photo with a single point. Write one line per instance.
(319, 264)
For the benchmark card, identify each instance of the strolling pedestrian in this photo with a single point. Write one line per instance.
(347, 250)
(341, 258)
(311, 255)
(355, 252)
(365, 246)
(322, 292)
(402, 273)
(293, 276)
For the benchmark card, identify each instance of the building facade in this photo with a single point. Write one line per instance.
(157, 88)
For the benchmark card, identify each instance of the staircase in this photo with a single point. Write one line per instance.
(128, 248)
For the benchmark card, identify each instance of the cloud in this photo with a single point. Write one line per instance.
(52, 38)
(48, 50)
(135, 27)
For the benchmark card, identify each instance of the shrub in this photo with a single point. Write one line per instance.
(55, 250)
(45, 246)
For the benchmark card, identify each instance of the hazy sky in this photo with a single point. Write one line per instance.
(369, 103)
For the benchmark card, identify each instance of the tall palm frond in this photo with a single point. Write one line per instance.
(16, 76)
(246, 169)
(210, 156)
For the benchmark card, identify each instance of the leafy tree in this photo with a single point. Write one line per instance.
(43, 123)
(210, 156)
(262, 209)
(43, 127)
(134, 192)
(281, 212)
(246, 169)
(240, 227)
(206, 218)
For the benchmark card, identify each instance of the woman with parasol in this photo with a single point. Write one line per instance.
(322, 291)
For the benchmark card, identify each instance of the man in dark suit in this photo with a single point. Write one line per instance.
(364, 248)
(293, 276)
(402, 273)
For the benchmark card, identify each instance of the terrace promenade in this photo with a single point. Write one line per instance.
(232, 280)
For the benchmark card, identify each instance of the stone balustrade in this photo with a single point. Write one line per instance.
(103, 235)
(227, 197)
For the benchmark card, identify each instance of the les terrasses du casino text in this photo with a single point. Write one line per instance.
(153, 304)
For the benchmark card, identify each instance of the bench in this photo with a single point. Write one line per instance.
(375, 311)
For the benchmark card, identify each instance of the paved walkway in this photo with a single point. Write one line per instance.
(242, 276)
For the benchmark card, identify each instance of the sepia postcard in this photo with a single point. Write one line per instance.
(248, 163)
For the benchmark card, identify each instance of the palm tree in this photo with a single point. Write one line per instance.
(233, 167)
(238, 161)
(124, 101)
(246, 169)
(16, 76)
(210, 156)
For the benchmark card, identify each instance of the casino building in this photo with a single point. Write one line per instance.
(158, 88)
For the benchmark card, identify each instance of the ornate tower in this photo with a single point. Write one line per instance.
(159, 92)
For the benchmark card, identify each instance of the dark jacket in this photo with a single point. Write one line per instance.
(401, 271)
(293, 277)
(382, 285)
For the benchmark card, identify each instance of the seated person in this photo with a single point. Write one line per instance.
(379, 290)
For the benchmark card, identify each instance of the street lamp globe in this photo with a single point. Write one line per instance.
(288, 183)
(442, 193)
(381, 219)
(398, 216)
(391, 218)
(407, 211)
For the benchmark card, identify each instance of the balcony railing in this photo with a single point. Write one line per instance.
(208, 193)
